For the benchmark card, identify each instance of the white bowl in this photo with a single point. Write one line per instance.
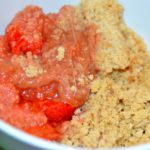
(137, 13)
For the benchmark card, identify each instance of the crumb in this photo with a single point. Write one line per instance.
(61, 53)
(73, 88)
(91, 77)
(81, 80)
(32, 71)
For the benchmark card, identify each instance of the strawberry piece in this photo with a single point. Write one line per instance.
(4, 48)
(46, 92)
(58, 111)
(8, 95)
(25, 32)
(46, 131)
(23, 115)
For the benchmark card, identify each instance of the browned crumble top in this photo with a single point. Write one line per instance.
(117, 112)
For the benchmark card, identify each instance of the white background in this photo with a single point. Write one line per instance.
(137, 12)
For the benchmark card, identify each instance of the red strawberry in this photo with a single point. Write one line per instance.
(25, 32)
(8, 95)
(58, 111)
(47, 92)
(46, 131)
(4, 48)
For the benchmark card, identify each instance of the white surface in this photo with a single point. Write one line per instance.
(137, 16)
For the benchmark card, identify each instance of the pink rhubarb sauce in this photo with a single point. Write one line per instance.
(40, 103)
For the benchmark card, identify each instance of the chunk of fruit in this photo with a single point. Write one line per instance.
(4, 48)
(58, 111)
(24, 116)
(25, 32)
(8, 95)
(46, 131)
(46, 92)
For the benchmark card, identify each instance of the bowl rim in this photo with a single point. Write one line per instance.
(25, 138)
